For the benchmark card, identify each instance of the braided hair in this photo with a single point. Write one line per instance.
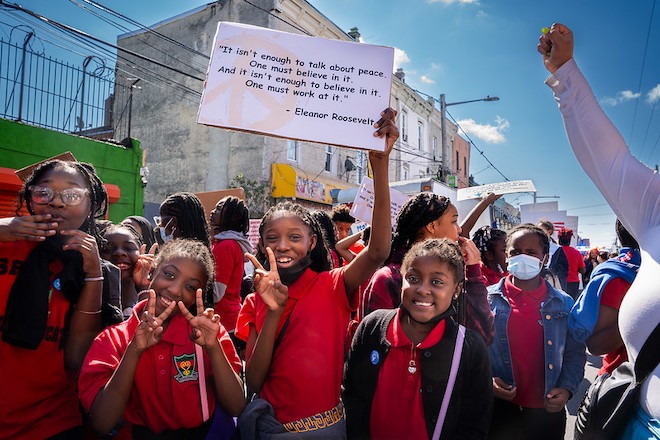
(417, 212)
(530, 228)
(98, 196)
(196, 251)
(565, 236)
(319, 254)
(233, 215)
(485, 238)
(190, 216)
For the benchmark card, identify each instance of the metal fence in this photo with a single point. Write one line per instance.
(46, 92)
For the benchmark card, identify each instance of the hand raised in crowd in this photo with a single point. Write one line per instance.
(143, 266)
(556, 46)
(84, 243)
(150, 330)
(503, 390)
(267, 282)
(205, 326)
(471, 253)
(28, 227)
(386, 126)
(556, 399)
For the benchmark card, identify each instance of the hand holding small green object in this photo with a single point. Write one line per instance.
(545, 30)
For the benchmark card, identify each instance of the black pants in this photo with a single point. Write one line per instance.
(573, 289)
(513, 422)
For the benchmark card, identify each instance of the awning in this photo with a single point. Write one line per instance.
(293, 182)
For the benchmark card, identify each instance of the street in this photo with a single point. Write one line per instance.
(590, 372)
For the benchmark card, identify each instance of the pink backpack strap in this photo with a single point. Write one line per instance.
(455, 361)
(203, 395)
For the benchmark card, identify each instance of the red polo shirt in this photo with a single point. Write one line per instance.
(229, 270)
(397, 410)
(165, 393)
(575, 261)
(306, 369)
(525, 333)
(38, 397)
(612, 296)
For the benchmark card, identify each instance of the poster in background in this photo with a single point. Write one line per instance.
(363, 204)
(514, 186)
(297, 87)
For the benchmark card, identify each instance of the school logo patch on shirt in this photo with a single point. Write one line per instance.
(374, 357)
(186, 366)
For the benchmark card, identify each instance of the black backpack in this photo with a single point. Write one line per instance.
(608, 404)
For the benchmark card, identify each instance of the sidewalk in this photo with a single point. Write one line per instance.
(590, 372)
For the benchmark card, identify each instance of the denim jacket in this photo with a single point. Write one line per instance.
(564, 356)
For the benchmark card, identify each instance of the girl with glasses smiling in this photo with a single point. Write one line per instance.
(51, 284)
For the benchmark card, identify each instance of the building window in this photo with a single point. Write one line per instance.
(406, 172)
(457, 162)
(420, 135)
(361, 159)
(293, 151)
(328, 158)
(435, 148)
(404, 126)
(465, 166)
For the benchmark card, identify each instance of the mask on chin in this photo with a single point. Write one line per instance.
(524, 267)
(289, 275)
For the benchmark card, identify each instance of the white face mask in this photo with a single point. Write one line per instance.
(165, 237)
(163, 234)
(524, 267)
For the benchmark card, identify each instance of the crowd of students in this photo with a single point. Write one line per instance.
(106, 332)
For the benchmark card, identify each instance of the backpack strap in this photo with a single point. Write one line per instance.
(201, 380)
(648, 357)
(455, 362)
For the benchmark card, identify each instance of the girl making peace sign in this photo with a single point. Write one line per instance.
(164, 369)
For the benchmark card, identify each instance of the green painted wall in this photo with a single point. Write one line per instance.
(22, 145)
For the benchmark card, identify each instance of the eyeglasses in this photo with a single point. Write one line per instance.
(43, 195)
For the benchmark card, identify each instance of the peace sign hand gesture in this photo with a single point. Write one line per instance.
(205, 326)
(150, 330)
(267, 283)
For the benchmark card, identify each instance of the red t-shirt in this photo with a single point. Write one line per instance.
(306, 369)
(575, 261)
(37, 395)
(397, 409)
(611, 296)
(229, 268)
(525, 333)
(165, 393)
(491, 276)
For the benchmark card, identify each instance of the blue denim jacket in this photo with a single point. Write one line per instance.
(564, 356)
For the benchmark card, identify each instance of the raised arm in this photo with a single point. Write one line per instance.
(597, 144)
(343, 246)
(471, 219)
(371, 258)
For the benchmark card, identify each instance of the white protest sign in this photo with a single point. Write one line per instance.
(476, 192)
(297, 87)
(363, 204)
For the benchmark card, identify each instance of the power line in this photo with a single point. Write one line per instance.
(641, 73)
(477, 148)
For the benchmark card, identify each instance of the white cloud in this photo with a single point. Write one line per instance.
(400, 57)
(621, 97)
(449, 2)
(486, 132)
(654, 95)
(425, 79)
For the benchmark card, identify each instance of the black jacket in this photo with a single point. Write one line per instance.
(470, 407)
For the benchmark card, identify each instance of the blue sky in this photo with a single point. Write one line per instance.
(468, 49)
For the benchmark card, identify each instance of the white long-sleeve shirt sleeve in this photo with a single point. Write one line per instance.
(633, 191)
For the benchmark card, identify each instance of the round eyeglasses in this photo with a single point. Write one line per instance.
(43, 195)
